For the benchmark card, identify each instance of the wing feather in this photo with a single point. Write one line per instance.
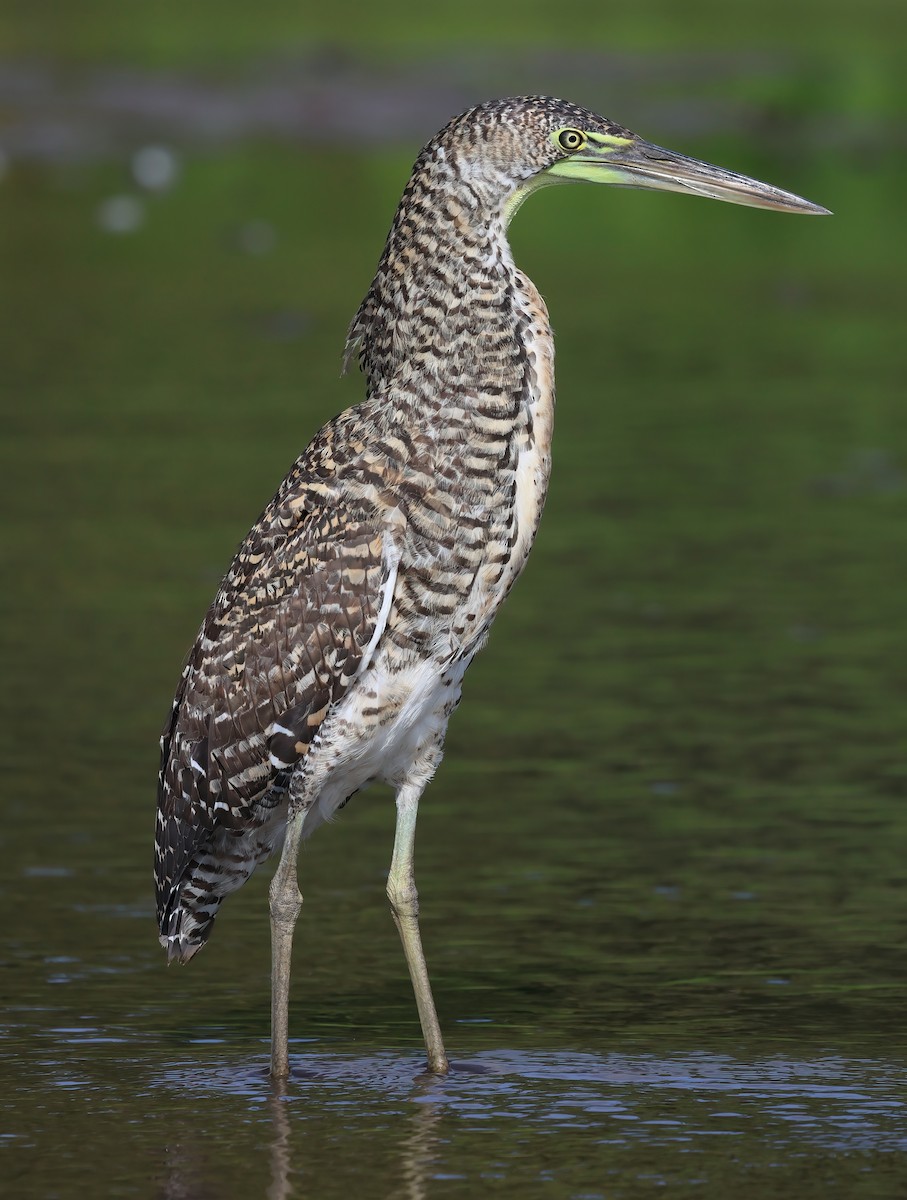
(300, 610)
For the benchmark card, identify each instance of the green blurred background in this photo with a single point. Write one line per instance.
(672, 813)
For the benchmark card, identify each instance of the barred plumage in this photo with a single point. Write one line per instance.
(334, 651)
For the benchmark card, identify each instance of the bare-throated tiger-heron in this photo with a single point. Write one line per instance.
(334, 652)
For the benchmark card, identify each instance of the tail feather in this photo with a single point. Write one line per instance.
(186, 935)
(187, 909)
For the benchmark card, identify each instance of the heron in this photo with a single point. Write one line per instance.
(334, 652)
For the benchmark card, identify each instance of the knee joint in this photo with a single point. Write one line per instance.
(285, 909)
(404, 899)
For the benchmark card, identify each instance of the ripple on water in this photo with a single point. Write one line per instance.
(829, 1103)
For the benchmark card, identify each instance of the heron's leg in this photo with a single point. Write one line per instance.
(285, 905)
(401, 891)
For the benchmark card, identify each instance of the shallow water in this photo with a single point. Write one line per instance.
(662, 868)
(532, 1123)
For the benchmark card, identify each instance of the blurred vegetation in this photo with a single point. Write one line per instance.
(216, 31)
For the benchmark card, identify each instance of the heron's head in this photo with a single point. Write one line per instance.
(506, 149)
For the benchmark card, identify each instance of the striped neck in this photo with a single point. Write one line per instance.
(442, 310)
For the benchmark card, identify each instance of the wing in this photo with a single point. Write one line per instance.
(297, 616)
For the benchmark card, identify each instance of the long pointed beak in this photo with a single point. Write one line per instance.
(644, 165)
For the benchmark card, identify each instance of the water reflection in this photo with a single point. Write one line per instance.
(280, 1187)
(418, 1149)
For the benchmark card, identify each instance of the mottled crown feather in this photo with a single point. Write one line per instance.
(514, 134)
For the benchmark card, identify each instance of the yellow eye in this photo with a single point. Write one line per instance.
(571, 139)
